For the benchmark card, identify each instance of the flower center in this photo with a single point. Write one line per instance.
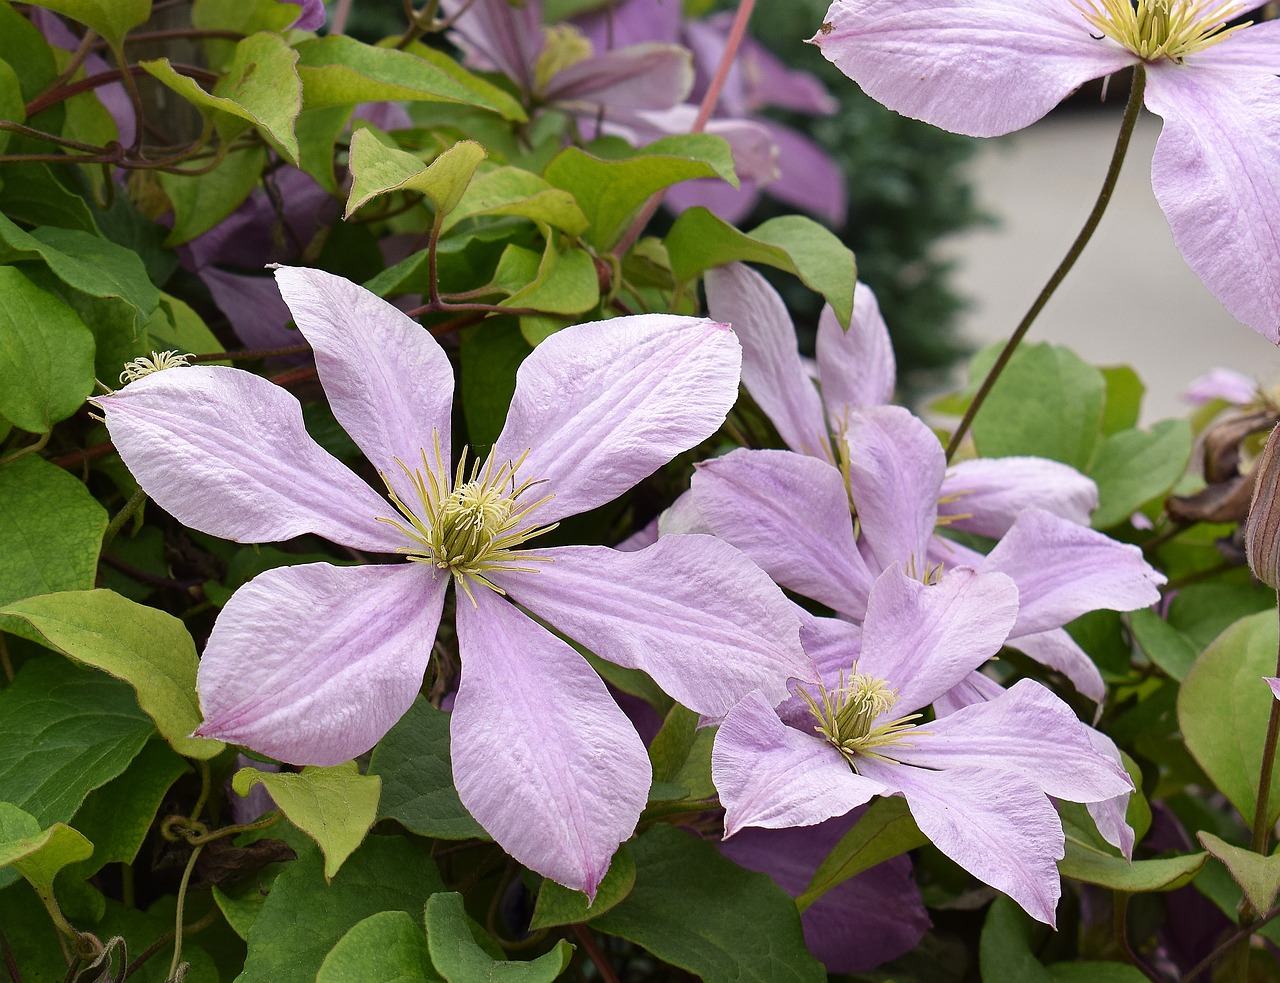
(564, 46)
(470, 529)
(847, 718)
(1154, 29)
(136, 368)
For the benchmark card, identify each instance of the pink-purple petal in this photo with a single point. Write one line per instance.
(808, 177)
(312, 664)
(225, 452)
(1274, 683)
(856, 367)
(985, 495)
(1059, 651)
(1110, 815)
(896, 467)
(1064, 570)
(995, 824)
(924, 640)
(388, 381)
(542, 756)
(691, 611)
(790, 514)
(771, 775)
(602, 405)
(980, 67)
(1227, 385)
(642, 76)
(771, 369)
(1214, 174)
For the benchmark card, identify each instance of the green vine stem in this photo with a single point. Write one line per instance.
(126, 513)
(1127, 125)
(1261, 828)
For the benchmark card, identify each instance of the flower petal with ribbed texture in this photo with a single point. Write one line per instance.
(923, 640)
(691, 611)
(774, 776)
(979, 67)
(997, 825)
(387, 380)
(1064, 570)
(771, 369)
(312, 664)
(856, 367)
(1214, 173)
(603, 405)
(542, 756)
(790, 514)
(1056, 649)
(226, 452)
(641, 76)
(984, 495)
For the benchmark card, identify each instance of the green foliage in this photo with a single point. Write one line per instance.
(110, 18)
(885, 831)
(558, 905)
(378, 169)
(1257, 875)
(1006, 953)
(460, 959)
(389, 947)
(201, 201)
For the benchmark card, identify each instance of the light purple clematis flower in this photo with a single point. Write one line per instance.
(977, 781)
(312, 664)
(987, 67)
(1227, 385)
(791, 513)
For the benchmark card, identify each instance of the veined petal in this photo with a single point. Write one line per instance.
(977, 687)
(1274, 683)
(980, 67)
(869, 919)
(253, 306)
(1059, 651)
(388, 381)
(682, 517)
(640, 76)
(1256, 47)
(808, 177)
(1109, 815)
(225, 451)
(771, 367)
(923, 640)
(601, 405)
(695, 614)
(995, 824)
(542, 756)
(790, 514)
(1028, 731)
(771, 82)
(497, 36)
(1214, 174)
(632, 22)
(985, 495)
(895, 470)
(771, 775)
(856, 367)
(1064, 570)
(832, 645)
(313, 664)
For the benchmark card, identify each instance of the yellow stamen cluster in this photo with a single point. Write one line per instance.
(847, 717)
(565, 45)
(1155, 29)
(136, 368)
(468, 529)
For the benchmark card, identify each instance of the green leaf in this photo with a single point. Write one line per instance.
(46, 355)
(491, 353)
(318, 132)
(1162, 643)
(175, 326)
(514, 191)
(303, 918)
(417, 778)
(389, 947)
(559, 905)
(150, 650)
(1093, 865)
(12, 105)
(33, 194)
(700, 240)
(1124, 398)
(377, 169)
(1004, 951)
(110, 18)
(340, 71)
(555, 282)
(117, 817)
(884, 831)
(66, 731)
(38, 854)
(696, 909)
(334, 806)
(260, 86)
(1223, 708)
(1087, 971)
(50, 530)
(1048, 403)
(87, 263)
(201, 201)
(670, 747)
(459, 958)
(1134, 466)
(609, 192)
(1258, 876)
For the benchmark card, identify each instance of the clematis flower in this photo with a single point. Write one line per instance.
(1227, 385)
(977, 781)
(313, 663)
(791, 512)
(987, 67)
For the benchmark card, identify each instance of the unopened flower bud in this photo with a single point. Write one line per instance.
(1262, 530)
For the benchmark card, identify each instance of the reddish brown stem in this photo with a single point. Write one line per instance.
(58, 94)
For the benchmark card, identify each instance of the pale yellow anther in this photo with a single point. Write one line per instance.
(847, 717)
(136, 368)
(565, 46)
(1156, 29)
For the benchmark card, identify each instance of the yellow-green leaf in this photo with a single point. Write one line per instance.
(378, 169)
